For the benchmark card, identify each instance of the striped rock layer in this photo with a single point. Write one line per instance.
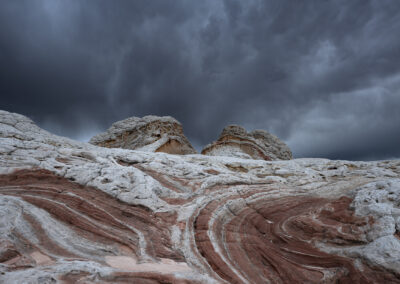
(73, 212)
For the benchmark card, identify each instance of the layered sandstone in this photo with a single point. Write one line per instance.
(73, 212)
(150, 133)
(235, 141)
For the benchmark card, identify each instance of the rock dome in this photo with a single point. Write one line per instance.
(150, 134)
(235, 141)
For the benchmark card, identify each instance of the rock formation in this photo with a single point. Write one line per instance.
(72, 212)
(150, 133)
(235, 141)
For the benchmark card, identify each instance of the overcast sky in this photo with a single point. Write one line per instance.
(324, 76)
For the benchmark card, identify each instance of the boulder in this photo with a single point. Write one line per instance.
(235, 141)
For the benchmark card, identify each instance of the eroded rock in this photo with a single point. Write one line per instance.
(235, 141)
(72, 212)
(150, 133)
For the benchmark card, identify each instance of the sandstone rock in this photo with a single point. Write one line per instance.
(150, 133)
(235, 141)
(72, 212)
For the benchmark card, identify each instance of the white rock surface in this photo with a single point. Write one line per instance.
(152, 180)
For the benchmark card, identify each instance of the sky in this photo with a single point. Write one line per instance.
(324, 76)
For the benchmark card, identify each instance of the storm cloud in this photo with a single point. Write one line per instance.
(322, 75)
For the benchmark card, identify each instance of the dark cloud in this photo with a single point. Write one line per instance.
(322, 75)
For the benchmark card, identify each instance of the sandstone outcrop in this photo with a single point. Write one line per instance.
(150, 133)
(72, 212)
(235, 141)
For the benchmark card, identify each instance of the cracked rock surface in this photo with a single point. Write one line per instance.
(73, 212)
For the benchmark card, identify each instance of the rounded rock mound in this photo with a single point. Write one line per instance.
(235, 141)
(150, 133)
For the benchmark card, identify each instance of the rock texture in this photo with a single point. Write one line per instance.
(235, 141)
(150, 133)
(73, 212)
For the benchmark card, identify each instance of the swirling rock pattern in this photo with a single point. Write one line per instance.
(73, 212)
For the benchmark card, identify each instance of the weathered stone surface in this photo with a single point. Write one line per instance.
(73, 212)
(235, 141)
(150, 133)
